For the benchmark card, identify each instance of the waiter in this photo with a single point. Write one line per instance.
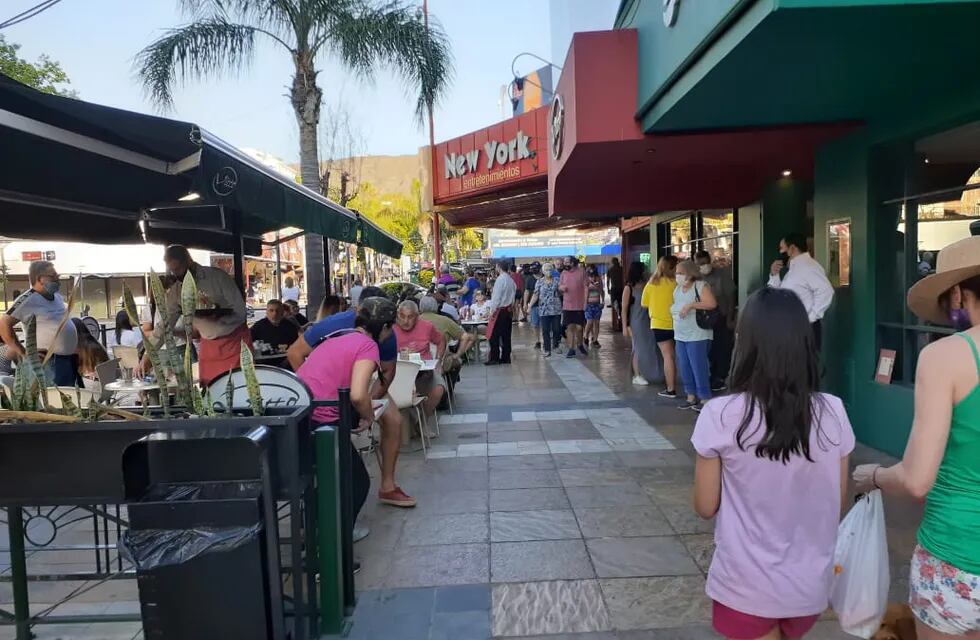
(500, 327)
(221, 326)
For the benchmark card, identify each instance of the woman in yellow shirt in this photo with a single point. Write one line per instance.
(658, 296)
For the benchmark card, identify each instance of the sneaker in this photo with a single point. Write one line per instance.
(667, 393)
(687, 405)
(697, 408)
(537, 345)
(583, 350)
(596, 344)
(547, 354)
(357, 567)
(640, 380)
(360, 533)
(570, 354)
(396, 498)
(718, 386)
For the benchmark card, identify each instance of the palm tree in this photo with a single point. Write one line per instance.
(362, 34)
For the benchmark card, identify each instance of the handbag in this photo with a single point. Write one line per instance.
(705, 318)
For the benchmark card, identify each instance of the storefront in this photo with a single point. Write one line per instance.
(734, 122)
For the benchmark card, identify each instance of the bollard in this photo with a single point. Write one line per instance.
(328, 531)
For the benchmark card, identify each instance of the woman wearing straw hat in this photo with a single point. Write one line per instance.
(942, 458)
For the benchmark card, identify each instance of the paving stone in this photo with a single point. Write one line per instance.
(622, 522)
(519, 526)
(524, 478)
(616, 495)
(541, 461)
(555, 607)
(500, 435)
(701, 548)
(452, 502)
(527, 499)
(539, 560)
(439, 565)
(674, 501)
(473, 625)
(446, 529)
(656, 459)
(471, 597)
(636, 557)
(606, 460)
(569, 430)
(594, 477)
(652, 603)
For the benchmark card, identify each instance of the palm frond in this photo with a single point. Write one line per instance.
(194, 51)
(392, 34)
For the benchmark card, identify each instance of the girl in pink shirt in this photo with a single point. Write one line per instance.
(772, 466)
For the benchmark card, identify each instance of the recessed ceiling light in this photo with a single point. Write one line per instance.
(927, 160)
(787, 173)
(651, 150)
(190, 197)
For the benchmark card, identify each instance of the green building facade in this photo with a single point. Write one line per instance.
(892, 184)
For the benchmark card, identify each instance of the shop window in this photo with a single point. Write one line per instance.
(713, 231)
(944, 179)
(839, 252)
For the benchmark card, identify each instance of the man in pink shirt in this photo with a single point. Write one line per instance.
(416, 335)
(573, 286)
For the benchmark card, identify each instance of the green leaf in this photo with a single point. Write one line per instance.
(44, 75)
(251, 381)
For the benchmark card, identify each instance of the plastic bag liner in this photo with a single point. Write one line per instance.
(155, 548)
(859, 594)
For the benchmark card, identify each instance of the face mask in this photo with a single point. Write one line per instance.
(52, 287)
(960, 319)
(705, 269)
(784, 257)
(681, 280)
(555, 274)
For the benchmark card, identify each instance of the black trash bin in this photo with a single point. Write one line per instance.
(204, 548)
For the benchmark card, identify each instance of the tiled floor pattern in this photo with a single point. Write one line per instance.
(561, 513)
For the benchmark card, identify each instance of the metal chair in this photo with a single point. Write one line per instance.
(402, 392)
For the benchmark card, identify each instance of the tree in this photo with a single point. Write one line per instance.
(362, 34)
(44, 75)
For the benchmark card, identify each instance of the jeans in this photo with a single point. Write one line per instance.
(551, 332)
(500, 339)
(62, 371)
(692, 360)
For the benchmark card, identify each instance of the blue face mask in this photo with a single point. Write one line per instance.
(960, 319)
(555, 274)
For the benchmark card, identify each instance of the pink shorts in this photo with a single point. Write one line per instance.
(742, 626)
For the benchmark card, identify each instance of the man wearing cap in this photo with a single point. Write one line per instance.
(446, 307)
(391, 420)
(220, 323)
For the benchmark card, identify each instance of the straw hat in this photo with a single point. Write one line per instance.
(958, 262)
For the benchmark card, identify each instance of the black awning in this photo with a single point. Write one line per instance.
(74, 170)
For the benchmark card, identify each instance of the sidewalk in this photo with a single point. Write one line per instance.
(556, 504)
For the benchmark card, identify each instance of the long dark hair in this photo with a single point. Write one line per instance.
(636, 274)
(122, 324)
(776, 365)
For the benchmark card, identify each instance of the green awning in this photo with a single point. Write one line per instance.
(378, 239)
(79, 171)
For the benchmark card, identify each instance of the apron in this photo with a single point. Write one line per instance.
(492, 322)
(222, 354)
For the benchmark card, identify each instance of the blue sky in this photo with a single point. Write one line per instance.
(96, 40)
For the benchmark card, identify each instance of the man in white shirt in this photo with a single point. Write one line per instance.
(805, 277)
(501, 320)
(44, 302)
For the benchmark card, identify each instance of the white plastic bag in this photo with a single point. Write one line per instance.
(859, 594)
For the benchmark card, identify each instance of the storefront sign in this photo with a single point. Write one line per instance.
(886, 363)
(31, 256)
(496, 158)
(517, 148)
(557, 126)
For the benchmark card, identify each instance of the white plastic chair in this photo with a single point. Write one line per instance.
(85, 396)
(402, 392)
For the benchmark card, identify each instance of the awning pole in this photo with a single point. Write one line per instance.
(238, 247)
(278, 269)
(350, 281)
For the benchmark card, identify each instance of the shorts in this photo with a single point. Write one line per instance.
(743, 626)
(663, 335)
(429, 380)
(593, 311)
(535, 317)
(943, 597)
(569, 318)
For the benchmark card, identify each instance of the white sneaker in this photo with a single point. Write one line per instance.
(640, 380)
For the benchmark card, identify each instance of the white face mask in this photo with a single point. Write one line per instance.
(681, 279)
(705, 269)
